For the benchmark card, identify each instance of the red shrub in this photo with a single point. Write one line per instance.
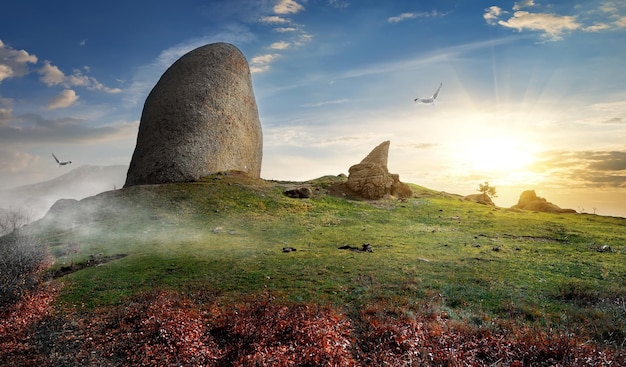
(267, 334)
(159, 329)
(394, 339)
(167, 329)
(16, 322)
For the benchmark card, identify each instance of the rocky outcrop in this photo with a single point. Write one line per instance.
(480, 199)
(371, 179)
(200, 118)
(530, 201)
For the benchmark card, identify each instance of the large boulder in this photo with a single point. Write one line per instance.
(371, 179)
(529, 200)
(200, 118)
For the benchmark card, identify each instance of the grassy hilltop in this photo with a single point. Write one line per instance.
(439, 264)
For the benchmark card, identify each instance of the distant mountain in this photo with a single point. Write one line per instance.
(81, 182)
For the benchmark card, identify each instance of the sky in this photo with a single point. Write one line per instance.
(533, 96)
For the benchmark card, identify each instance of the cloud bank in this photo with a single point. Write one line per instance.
(553, 26)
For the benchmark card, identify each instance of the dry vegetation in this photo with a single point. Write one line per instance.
(167, 328)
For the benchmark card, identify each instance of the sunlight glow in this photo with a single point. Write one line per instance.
(497, 157)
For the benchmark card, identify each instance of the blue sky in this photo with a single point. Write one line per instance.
(533, 97)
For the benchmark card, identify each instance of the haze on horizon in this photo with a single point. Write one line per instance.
(533, 91)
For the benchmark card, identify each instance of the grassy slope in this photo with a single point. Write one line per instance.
(224, 236)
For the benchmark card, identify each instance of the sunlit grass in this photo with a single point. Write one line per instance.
(225, 236)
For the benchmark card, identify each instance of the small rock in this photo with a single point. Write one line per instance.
(299, 193)
(365, 248)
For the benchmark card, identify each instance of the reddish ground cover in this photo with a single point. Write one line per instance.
(168, 329)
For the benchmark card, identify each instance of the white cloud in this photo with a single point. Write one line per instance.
(597, 27)
(551, 25)
(259, 69)
(554, 26)
(492, 14)
(5, 72)
(274, 19)
(401, 17)
(523, 4)
(303, 38)
(78, 79)
(50, 74)
(285, 29)
(609, 8)
(261, 63)
(63, 100)
(83, 42)
(287, 7)
(618, 107)
(263, 59)
(14, 63)
(405, 16)
(282, 45)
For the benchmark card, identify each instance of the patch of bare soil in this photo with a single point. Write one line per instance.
(94, 260)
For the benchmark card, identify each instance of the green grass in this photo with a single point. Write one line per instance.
(223, 236)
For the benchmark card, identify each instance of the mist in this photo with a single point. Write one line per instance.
(36, 199)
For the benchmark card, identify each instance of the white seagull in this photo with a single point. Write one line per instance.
(429, 100)
(59, 162)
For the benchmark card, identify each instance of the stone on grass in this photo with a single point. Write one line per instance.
(371, 179)
(200, 118)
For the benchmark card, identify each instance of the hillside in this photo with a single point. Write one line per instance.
(443, 273)
(79, 183)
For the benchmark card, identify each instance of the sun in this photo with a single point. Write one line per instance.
(501, 156)
(498, 155)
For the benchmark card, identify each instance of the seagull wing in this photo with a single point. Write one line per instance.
(55, 158)
(437, 92)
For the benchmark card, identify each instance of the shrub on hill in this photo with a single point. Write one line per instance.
(21, 259)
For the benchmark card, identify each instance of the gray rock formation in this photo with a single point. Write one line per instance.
(529, 200)
(200, 118)
(371, 179)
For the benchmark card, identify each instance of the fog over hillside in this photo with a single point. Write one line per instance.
(81, 182)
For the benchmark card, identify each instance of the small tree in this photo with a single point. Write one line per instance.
(21, 258)
(487, 190)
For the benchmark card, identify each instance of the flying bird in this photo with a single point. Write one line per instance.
(431, 99)
(61, 163)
